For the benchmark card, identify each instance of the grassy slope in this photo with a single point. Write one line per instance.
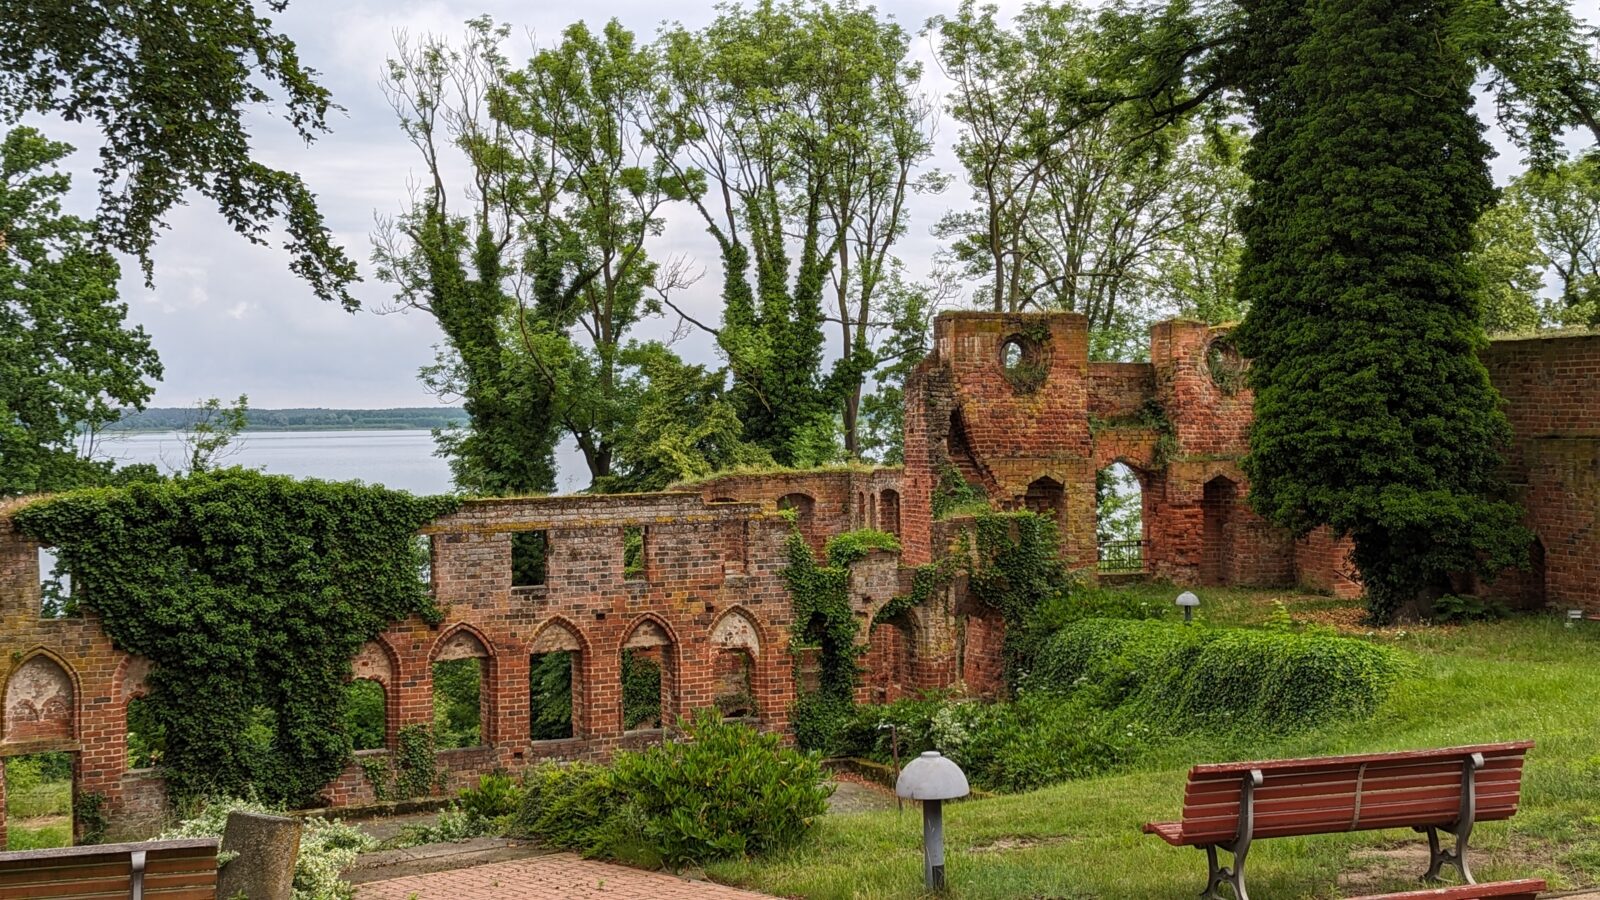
(1529, 678)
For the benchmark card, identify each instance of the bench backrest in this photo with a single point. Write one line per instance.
(171, 870)
(1414, 788)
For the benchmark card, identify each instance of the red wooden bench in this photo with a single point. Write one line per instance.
(1526, 889)
(159, 870)
(1229, 805)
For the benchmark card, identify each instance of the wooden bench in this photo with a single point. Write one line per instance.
(1227, 806)
(160, 870)
(1527, 889)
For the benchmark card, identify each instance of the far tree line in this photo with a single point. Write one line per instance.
(1311, 168)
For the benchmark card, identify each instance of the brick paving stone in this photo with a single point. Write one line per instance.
(559, 875)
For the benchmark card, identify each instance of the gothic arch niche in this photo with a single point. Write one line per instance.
(803, 505)
(555, 683)
(1218, 502)
(736, 641)
(649, 663)
(40, 701)
(1046, 497)
(462, 668)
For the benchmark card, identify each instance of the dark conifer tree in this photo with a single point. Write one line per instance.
(1374, 414)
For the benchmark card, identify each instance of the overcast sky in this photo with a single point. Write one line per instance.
(228, 317)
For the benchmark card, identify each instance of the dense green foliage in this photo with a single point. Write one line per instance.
(1368, 172)
(458, 703)
(550, 696)
(68, 361)
(1017, 568)
(245, 591)
(728, 791)
(170, 89)
(364, 719)
(641, 691)
(1103, 693)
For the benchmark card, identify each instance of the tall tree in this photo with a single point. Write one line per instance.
(464, 267)
(1374, 414)
(1087, 218)
(798, 125)
(1508, 266)
(169, 87)
(1562, 202)
(68, 360)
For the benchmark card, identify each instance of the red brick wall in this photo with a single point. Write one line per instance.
(1551, 386)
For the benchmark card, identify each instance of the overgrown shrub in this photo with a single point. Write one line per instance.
(1189, 678)
(1105, 693)
(1468, 608)
(727, 790)
(496, 795)
(568, 806)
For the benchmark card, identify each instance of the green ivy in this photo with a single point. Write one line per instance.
(851, 546)
(1017, 569)
(412, 771)
(954, 495)
(246, 591)
(89, 811)
(926, 581)
(820, 596)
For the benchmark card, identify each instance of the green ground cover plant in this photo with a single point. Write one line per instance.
(327, 846)
(1526, 677)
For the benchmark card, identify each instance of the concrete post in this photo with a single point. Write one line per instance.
(268, 848)
(933, 844)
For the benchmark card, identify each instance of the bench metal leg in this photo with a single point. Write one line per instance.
(1240, 848)
(1438, 857)
(1229, 875)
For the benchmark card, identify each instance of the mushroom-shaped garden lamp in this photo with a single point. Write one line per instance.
(932, 779)
(1188, 601)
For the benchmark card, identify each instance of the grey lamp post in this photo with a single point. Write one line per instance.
(932, 779)
(1188, 601)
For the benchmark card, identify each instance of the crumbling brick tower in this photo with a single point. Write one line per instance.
(1011, 404)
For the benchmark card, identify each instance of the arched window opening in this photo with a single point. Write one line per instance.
(458, 691)
(38, 800)
(647, 677)
(738, 644)
(1046, 497)
(554, 695)
(147, 738)
(1216, 547)
(1119, 519)
(366, 715)
(802, 504)
(889, 511)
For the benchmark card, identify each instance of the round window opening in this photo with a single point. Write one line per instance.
(1024, 363)
(1225, 366)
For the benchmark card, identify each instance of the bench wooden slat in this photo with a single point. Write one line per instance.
(1312, 762)
(1524, 889)
(1341, 807)
(1501, 769)
(174, 870)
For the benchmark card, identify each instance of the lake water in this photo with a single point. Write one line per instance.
(396, 459)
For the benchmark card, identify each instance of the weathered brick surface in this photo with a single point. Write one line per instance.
(1551, 388)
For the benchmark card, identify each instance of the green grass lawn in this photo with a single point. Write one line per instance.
(1525, 678)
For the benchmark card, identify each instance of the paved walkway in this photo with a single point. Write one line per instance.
(558, 875)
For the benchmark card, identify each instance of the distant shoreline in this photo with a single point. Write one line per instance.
(158, 420)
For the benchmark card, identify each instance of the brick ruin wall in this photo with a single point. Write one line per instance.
(710, 603)
(1032, 429)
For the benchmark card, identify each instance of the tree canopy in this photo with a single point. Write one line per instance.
(170, 88)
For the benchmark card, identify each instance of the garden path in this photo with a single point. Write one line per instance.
(557, 875)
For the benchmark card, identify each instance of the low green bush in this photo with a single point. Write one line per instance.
(327, 847)
(727, 790)
(1188, 678)
(1467, 608)
(1104, 693)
